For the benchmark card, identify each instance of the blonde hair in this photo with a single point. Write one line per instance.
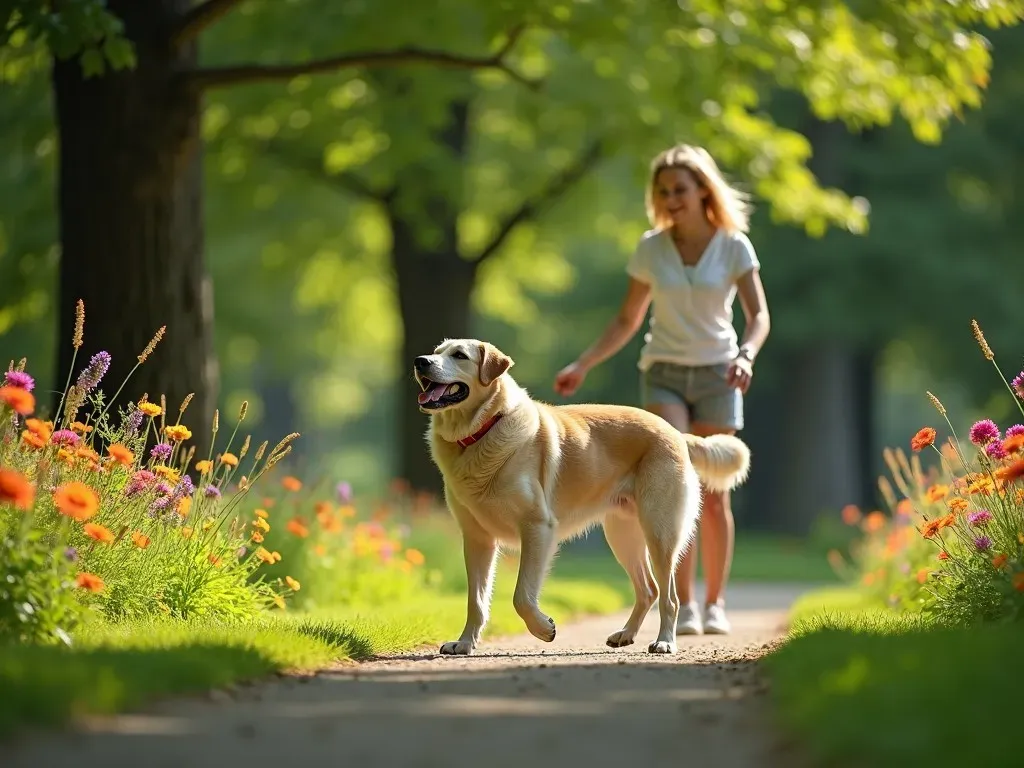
(726, 206)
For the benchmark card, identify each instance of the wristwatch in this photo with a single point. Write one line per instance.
(746, 354)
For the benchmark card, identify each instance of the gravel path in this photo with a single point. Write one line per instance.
(516, 702)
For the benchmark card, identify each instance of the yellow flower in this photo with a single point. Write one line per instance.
(292, 583)
(151, 409)
(276, 555)
(415, 557)
(262, 513)
(261, 524)
(169, 474)
(229, 459)
(140, 540)
(177, 432)
(204, 466)
(80, 428)
(279, 602)
(264, 555)
(186, 532)
(184, 506)
(257, 537)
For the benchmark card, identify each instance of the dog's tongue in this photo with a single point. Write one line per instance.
(433, 394)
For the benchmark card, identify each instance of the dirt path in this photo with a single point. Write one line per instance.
(516, 702)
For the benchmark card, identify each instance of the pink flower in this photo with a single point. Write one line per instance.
(64, 437)
(984, 432)
(1018, 385)
(996, 451)
(1016, 429)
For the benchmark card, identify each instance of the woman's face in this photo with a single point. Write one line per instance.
(679, 195)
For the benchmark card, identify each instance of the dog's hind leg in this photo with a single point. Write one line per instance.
(538, 542)
(626, 540)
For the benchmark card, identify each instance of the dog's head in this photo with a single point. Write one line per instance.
(459, 375)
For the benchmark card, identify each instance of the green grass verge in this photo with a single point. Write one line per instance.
(862, 686)
(116, 668)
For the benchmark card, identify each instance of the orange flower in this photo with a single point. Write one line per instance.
(943, 555)
(330, 523)
(76, 500)
(1018, 581)
(21, 400)
(875, 521)
(80, 428)
(121, 455)
(999, 560)
(937, 492)
(922, 576)
(204, 466)
(957, 505)
(1014, 444)
(1012, 473)
(214, 560)
(261, 513)
(924, 437)
(931, 528)
(347, 511)
(264, 555)
(319, 550)
(291, 483)
(947, 520)
(33, 439)
(16, 489)
(89, 581)
(140, 539)
(229, 459)
(851, 514)
(415, 557)
(297, 527)
(257, 537)
(292, 583)
(40, 427)
(99, 533)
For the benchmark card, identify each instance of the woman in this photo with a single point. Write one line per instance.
(694, 369)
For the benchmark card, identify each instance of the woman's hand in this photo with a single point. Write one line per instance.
(740, 372)
(570, 378)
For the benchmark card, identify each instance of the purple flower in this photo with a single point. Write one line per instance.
(162, 488)
(211, 492)
(64, 437)
(134, 420)
(161, 502)
(981, 517)
(160, 451)
(71, 555)
(344, 490)
(19, 379)
(1018, 385)
(983, 543)
(185, 487)
(984, 432)
(240, 552)
(90, 376)
(1016, 429)
(995, 450)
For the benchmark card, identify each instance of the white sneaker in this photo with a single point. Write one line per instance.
(688, 622)
(715, 622)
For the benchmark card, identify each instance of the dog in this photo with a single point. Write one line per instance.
(525, 475)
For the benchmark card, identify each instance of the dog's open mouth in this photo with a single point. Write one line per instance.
(438, 395)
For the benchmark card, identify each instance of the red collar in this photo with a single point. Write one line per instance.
(478, 435)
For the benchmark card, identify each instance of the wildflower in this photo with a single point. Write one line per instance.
(261, 513)
(20, 380)
(186, 532)
(140, 539)
(1018, 581)
(89, 581)
(981, 517)
(64, 437)
(415, 557)
(922, 575)
(150, 409)
(204, 466)
(71, 554)
(347, 511)
(214, 560)
(169, 474)
(319, 550)
(76, 500)
(290, 483)
(257, 537)
(211, 492)
(996, 451)
(344, 489)
(21, 401)
(229, 459)
(851, 514)
(943, 555)
(937, 492)
(297, 527)
(39, 427)
(161, 451)
(1013, 443)
(120, 454)
(178, 433)
(276, 555)
(930, 529)
(924, 437)
(134, 421)
(999, 560)
(261, 524)
(98, 533)
(90, 376)
(1018, 385)
(80, 429)
(240, 552)
(983, 543)
(33, 440)
(984, 432)
(1011, 473)
(279, 602)
(264, 555)
(292, 583)
(947, 521)
(16, 489)
(875, 521)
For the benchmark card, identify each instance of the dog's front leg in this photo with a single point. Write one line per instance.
(538, 544)
(480, 554)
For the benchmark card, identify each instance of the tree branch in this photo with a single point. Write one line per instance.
(199, 17)
(313, 166)
(216, 77)
(555, 188)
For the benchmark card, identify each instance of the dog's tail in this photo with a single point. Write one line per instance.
(722, 461)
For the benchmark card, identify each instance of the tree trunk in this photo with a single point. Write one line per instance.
(131, 220)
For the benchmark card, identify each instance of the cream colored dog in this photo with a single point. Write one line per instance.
(526, 475)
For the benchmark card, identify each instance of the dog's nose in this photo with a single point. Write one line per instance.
(422, 363)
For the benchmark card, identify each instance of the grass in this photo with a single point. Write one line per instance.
(863, 686)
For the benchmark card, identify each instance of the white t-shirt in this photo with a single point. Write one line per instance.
(691, 307)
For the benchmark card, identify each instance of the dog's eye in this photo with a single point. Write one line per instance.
(460, 355)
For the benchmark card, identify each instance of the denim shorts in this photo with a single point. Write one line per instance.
(702, 389)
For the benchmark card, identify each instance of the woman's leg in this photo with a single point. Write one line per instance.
(717, 532)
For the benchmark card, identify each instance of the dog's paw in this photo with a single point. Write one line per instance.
(545, 630)
(457, 648)
(662, 646)
(620, 639)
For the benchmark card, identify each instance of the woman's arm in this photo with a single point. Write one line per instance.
(755, 310)
(622, 327)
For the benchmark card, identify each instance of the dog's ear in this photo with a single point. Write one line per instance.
(493, 363)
